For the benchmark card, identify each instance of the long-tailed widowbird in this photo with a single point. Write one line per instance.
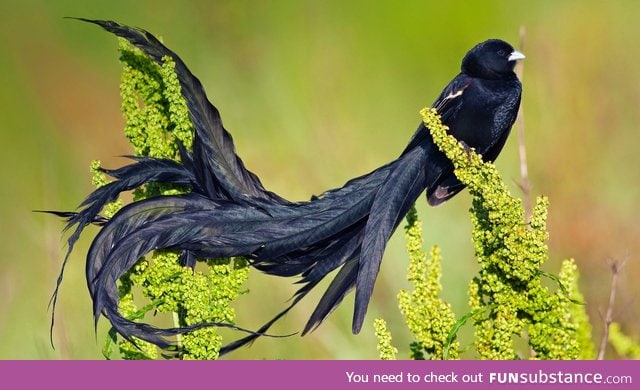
(229, 212)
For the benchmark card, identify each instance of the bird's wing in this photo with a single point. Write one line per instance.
(448, 185)
(447, 104)
(441, 184)
(452, 97)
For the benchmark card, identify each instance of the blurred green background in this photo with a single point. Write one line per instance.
(316, 93)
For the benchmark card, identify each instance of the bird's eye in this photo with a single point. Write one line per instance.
(501, 53)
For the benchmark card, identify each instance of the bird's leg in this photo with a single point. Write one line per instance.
(468, 149)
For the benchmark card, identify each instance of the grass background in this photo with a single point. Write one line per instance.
(316, 93)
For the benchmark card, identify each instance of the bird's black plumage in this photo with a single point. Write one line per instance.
(230, 213)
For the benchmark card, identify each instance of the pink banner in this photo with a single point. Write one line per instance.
(330, 375)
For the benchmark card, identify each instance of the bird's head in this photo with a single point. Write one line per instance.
(492, 59)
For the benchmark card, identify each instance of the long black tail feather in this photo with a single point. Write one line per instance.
(398, 193)
(146, 170)
(216, 164)
(230, 213)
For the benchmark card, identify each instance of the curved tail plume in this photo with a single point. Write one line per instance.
(229, 212)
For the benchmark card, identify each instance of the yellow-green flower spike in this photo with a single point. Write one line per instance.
(508, 299)
(385, 347)
(624, 345)
(429, 318)
(156, 120)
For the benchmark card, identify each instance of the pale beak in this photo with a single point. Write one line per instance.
(516, 55)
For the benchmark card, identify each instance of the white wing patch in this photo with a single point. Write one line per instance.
(451, 96)
(454, 95)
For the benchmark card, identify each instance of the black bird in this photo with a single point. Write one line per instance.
(229, 213)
